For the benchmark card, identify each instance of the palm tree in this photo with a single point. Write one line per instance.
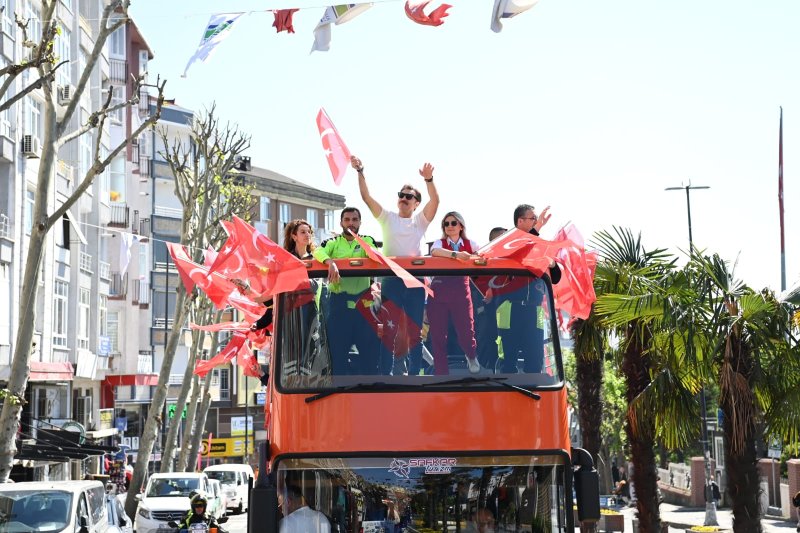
(757, 364)
(643, 303)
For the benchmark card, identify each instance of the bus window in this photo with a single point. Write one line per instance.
(392, 334)
(513, 494)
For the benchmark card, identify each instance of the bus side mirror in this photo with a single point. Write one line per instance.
(587, 486)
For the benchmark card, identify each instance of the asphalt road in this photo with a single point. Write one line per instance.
(237, 523)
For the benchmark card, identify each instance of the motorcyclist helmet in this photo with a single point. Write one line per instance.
(198, 500)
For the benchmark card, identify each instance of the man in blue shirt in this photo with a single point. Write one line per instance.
(345, 325)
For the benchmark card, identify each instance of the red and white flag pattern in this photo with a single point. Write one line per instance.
(335, 149)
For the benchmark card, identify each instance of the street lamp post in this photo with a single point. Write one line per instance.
(711, 505)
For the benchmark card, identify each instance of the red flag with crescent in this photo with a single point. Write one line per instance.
(415, 11)
(226, 355)
(216, 287)
(335, 149)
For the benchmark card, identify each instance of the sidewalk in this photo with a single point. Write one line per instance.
(682, 518)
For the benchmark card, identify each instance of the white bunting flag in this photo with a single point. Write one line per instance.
(505, 9)
(127, 240)
(335, 15)
(217, 30)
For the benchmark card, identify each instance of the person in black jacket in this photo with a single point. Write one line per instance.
(198, 515)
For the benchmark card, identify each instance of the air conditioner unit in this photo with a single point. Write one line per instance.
(65, 94)
(31, 147)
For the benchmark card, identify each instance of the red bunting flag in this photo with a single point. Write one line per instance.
(335, 150)
(283, 20)
(415, 11)
(409, 280)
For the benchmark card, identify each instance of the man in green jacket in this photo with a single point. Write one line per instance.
(345, 325)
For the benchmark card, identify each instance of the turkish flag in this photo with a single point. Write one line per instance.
(574, 294)
(335, 150)
(226, 355)
(248, 362)
(409, 280)
(283, 271)
(390, 323)
(216, 287)
(415, 11)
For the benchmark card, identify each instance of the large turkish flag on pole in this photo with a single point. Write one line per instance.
(335, 150)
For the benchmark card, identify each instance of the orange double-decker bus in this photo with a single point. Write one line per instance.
(377, 421)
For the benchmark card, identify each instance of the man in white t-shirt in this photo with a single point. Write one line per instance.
(403, 233)
(299, 517)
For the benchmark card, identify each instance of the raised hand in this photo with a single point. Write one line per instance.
(426, 171)
(544, 217)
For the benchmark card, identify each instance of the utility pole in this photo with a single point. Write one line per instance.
(711, 505)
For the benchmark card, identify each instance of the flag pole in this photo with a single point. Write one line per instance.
(780, 202)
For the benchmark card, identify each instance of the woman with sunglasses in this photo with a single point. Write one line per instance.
(452, 298)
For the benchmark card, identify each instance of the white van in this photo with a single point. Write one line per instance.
(234, 479)
(78, 506)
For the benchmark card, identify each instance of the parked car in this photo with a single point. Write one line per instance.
(78, 506)
(118, 519)
(235, 483)
(167, 498)
(217, 502)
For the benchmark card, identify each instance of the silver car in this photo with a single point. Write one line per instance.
(118, 519)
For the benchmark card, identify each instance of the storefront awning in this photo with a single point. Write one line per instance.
(50, 371)
(132, 379)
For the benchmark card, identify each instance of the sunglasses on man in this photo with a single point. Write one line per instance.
(407, 196)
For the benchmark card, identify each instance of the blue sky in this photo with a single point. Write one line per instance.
(590, 107)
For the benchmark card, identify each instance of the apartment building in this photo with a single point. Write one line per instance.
(74, 342)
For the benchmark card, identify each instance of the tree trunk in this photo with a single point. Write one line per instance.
(739, 407)
(200, 421)
(26, 323)
(168, 457)
(641, 431)
(589, 377)
(151, 426)
(189, 431)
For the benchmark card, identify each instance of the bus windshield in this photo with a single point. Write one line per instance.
(369, 331)
(524, 493)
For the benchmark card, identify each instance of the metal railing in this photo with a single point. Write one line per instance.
(85, 262)
(144, 166)
(158, 323)
(144, 102)
(104, 270)
(145, 227)
(171, 212)
(141, 292)
(118, 71)
(120, 213)
(144, 364)
(118, 287)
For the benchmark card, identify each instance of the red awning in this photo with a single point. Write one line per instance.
(48, 371)
(132, 379)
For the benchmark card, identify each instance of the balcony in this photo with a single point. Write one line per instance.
(85, 263)
(118, 287)
(144, 167)
(141, 293)
(118, 71)
(169, 212)
(140, 227)
(144, 102)
(119, 215)
(104, 270)
(144, 364)
(5, 227)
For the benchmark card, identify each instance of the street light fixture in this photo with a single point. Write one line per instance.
(711, 506)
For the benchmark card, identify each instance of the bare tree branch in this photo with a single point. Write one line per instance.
(99, 165)
(105, 31)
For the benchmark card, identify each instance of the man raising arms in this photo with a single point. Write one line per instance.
(403, 232)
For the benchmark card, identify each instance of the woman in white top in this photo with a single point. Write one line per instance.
(452, 298)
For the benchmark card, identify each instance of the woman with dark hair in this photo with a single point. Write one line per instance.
(298, 238)
(452, 298)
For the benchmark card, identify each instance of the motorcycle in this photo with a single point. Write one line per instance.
(201, 527)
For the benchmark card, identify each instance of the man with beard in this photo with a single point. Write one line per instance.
(403, 232)
(345, 325)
